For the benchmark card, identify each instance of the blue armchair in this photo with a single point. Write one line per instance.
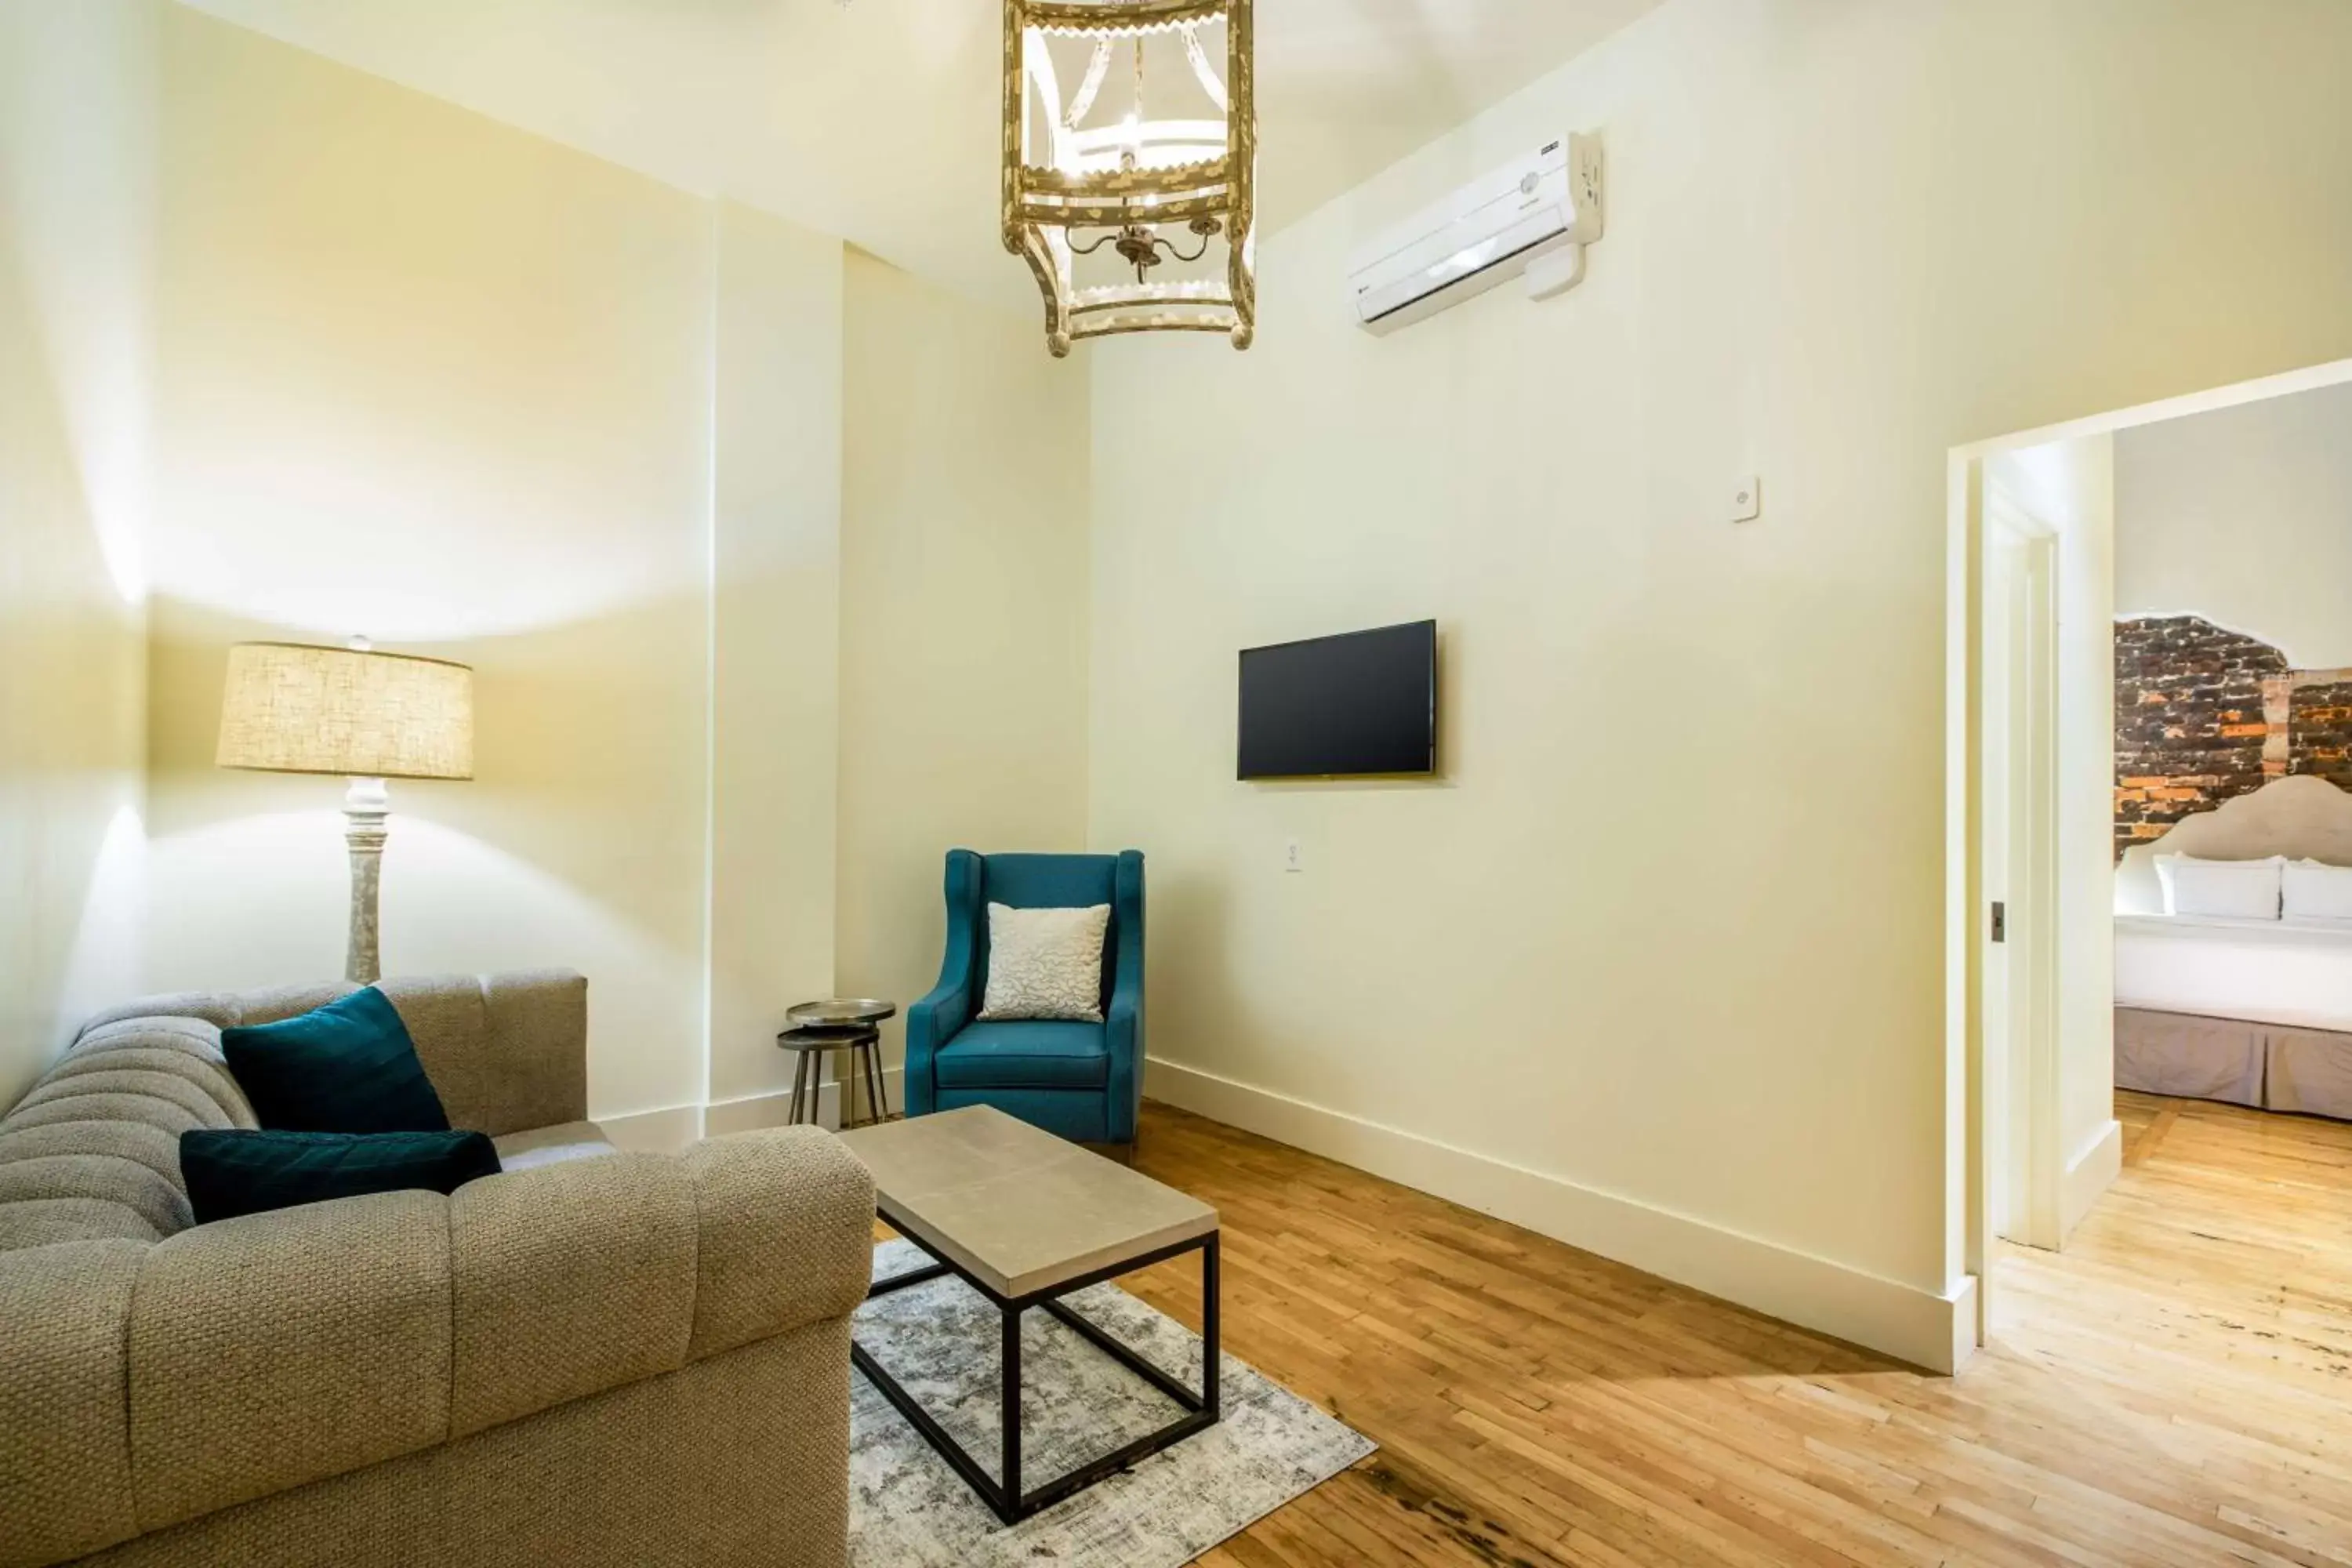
(1083, 1081)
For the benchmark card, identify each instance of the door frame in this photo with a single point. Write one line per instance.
(1970, 1247)
(2020, 1199)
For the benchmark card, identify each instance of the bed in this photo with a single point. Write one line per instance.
(2253, 1012)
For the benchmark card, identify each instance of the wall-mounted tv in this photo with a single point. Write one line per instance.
(1363, 703)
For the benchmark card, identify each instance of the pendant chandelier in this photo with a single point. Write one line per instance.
(1125, 193)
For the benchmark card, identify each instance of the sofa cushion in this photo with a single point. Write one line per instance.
(161, 1099)
(64, 1398)
(1026, 1052)
(281, 1348)
(241, 1173)
(197, 1062)
(348, 1066)
(551, 1145)
(568, 1280)
(26, 1222)
(109, 1178)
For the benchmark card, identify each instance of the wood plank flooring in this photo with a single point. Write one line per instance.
(2175, 1389)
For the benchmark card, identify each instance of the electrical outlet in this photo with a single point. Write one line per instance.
(1747, 500)
(1294, 858)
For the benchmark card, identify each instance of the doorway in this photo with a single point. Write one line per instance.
(2030, 829)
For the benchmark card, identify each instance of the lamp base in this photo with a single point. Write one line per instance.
(366, 807)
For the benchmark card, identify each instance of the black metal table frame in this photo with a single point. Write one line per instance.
(1005, 1496)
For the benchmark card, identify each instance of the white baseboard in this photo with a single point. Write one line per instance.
(1901, 1321)
(653, 1131)
(673, 1128)
(2091, 1171)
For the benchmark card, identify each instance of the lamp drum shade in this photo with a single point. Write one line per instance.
(291, 708)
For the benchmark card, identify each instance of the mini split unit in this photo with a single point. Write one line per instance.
(1533, 217)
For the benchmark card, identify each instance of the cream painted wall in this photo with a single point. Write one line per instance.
(77, 138)
(435, 380)
(963, 612)
(2244, 516)
(431, 379)
(775, 651)
(1657, 963)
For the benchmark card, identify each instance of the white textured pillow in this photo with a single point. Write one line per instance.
(1046, 963)
(2316, 891)
(2237, 890)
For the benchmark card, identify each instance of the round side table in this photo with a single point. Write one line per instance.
(837, 1025)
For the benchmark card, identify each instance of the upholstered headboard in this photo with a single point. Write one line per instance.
(2297, 816)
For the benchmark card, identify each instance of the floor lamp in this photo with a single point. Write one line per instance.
(291, 707)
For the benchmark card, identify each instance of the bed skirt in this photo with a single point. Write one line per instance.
(2270, 1067)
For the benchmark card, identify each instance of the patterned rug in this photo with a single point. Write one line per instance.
(907, 1510)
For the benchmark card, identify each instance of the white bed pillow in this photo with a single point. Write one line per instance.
(1046, 963)
(2312, 889)
(2235, 889)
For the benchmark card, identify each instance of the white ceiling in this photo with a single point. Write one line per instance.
(878, 120)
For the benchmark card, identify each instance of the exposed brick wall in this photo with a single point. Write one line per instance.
(2197, 709)
(2204, 715)
(2319, 731)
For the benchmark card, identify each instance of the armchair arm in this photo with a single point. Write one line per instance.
(936, 1019)
(1123, 1018)
(280, 1349)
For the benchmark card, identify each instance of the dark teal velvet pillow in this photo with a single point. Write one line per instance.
(348, 1066)
(228, 1173)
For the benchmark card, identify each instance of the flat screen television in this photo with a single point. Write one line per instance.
(1331, 707)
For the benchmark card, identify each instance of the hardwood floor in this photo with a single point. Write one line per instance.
(2175, 1389)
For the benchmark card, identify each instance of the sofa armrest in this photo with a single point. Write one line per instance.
(268, 1352)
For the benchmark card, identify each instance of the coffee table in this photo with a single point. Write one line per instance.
(1025, 1219)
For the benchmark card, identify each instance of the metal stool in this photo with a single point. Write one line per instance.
(838, 1026)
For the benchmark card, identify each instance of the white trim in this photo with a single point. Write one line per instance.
(675, 1127)
(1901, 1321)
(2090, 1173)
(2335, 373)
(2020, 808)
(653, 1131)
(757, 1111)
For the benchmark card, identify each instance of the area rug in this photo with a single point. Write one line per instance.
(907, 1510)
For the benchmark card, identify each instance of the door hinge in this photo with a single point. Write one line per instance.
(1999, 921)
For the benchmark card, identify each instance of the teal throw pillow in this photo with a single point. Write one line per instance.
(348, 1066)
(234, 1173)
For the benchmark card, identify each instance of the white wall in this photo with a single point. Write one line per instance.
(431, 379)
(964, 605)
(2244, 516)
(77, 248)
(1657, 965)
(424, 376)
(775, 660)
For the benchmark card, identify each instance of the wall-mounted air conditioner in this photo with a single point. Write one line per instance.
(1537, 209)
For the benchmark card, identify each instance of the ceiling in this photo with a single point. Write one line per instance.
(878, 120)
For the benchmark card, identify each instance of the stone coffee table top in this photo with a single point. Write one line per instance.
(1020, 1210)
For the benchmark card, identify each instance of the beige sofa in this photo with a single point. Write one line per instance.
(625, 1358)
